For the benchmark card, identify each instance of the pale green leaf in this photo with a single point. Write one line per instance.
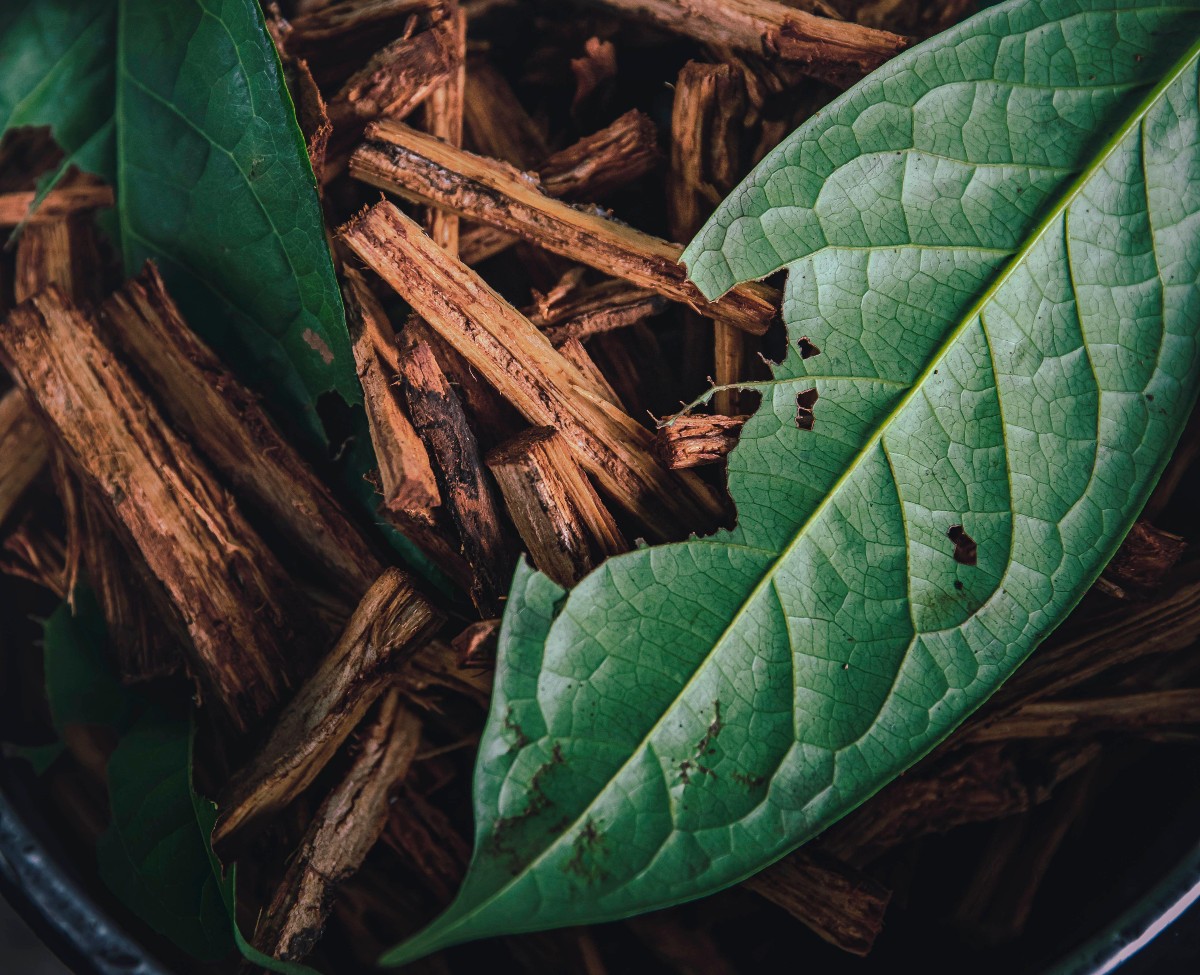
(994, 241)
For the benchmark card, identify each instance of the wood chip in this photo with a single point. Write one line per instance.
(564, 524)
(345, 828)
(23, 451)
(839, 903)
(696, 439)
(390, 624)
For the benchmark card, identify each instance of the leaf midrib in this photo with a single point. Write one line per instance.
(1039, 231)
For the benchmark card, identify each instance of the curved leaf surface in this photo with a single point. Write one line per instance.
(214, 182)
(994, 242)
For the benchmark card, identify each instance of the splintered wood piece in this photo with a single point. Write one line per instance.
(444, 119)
(562, 520)
(225, 586)
(437, 665)
(697, 438)
(64, 252)
(135, 608)
(345, 828)
(396, 79)
(590, 169)
(980, 785)
(58, 203)
(574, 352)
(389, 626)
(332, 27)
(428, 843)
(706, 129)
(23, 450)
(524, 367)
(1145, 713)
(833, 50)
(497, 124)
(593, 310)
(401, 160)
(311, 113)
(834, 900)
(1145, 558)
(228, 424)
(605, 161)
(466, 493)
(34, 551)
(407, 479)
(475, 646)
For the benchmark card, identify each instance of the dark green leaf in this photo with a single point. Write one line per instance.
(80, 683)
(995, 243)
(56, 69)
(214, 182)
(155, 854)
(183, 107)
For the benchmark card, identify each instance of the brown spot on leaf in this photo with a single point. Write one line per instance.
(807, 348)
(966, 552)
(805, 402)
(318, 345)
(586, 853)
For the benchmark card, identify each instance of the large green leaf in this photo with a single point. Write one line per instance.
(214, 182)
(183, 107)
(994, 242)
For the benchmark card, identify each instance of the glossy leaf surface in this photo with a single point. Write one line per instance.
(994, 242)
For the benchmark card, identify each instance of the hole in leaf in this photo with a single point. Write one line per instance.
(807, 348)
(804, 408)
(966, 552)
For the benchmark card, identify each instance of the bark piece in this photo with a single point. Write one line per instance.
(574, 352)
(345, 828)
(227, 423)
(403, 161)
(136, 609)
(839, 903)
(312, 113)
(1145, 558)
(476, 645)
(389, 625)
(593, 70)
(64, 252)
(706, 130)
(497, 124)
(1149, 712)
(23, 450)
(562, 520)
(407, 479)
(522, 365)
(978, 786)
(337, 33)
(697, 438)
(444, 119)
(605, 161)
(428, 843)
(60, 202)
(225, 586)
(833, 50)
(466, 492)
(594, 310)
(396, 79)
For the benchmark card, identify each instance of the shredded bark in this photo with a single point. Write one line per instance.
(696, 439)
